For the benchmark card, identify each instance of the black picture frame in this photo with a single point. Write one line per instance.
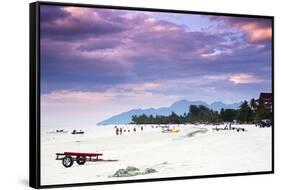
(34, 94)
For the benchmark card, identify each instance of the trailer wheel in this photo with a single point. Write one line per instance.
(81, 160)
(67, 161)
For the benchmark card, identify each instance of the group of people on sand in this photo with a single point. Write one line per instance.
(229, 127)
(120, 130)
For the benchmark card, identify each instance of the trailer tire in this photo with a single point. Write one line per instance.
(81, 160)
(67, 161)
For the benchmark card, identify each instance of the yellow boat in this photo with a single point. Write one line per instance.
(174, 130)
(168, 129)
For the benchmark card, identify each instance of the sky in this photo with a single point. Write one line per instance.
(96, 63)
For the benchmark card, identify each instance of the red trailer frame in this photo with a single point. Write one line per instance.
(68, 158)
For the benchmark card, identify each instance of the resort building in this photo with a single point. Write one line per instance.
(266, 98)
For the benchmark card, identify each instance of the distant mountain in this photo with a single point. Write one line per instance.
(179, 107)
(217, 106)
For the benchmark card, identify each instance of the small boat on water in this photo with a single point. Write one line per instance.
(168, 129)
(61, 131)
(75, 132)
(58, 131)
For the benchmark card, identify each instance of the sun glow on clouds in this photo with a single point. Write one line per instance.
(140, 87)
(125, 92)
(257, 33)
(256, 30)
(244, 78)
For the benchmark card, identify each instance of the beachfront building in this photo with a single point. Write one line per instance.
(266, 99)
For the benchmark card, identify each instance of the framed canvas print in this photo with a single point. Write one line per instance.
(123, 94)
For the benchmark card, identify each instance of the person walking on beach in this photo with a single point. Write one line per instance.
(134, 129)
(120, 130)
(117, 131)
(141, 128)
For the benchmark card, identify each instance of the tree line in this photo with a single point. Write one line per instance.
(248, 112)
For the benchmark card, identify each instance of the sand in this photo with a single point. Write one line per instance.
(195, 150)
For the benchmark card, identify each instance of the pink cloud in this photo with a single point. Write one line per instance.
(140, 87)
(126, 91)
(93, 107)
(244, 78)
(257, 32)
(256, 29)
(133, 36)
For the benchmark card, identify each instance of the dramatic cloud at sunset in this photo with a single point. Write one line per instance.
(99, 62)
(244, 78)
(256, 30)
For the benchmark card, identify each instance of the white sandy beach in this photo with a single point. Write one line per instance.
(171, 154)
